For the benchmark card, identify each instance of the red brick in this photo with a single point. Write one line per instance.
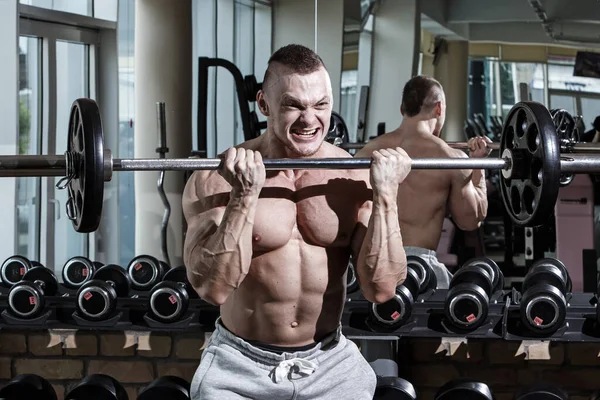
(503, 395)
(574, 378)
(426, 375)
(123, 371)
(87, 345)
(529, 375)
(38, 345)
(50, 369)
(426, 394)
(582, 353)
(111, 344)
(183, 370)
(503, 352)
(189, 348)
(160, 346)
(12, 343)
(502, 376)
(5, 372)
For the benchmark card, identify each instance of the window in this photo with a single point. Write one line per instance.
(82, 7)
(349, 98)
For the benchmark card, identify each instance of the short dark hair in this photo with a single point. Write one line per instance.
(420, 92)
(298, 58)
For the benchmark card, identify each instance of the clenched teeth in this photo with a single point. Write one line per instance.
(304, 132)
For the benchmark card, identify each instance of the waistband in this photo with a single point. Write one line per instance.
(419, 251)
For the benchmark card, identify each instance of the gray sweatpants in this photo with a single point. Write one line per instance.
(441, 272)
(232, 368)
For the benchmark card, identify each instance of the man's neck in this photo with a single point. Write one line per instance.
(416, 126)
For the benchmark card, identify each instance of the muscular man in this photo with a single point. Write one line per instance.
(272, 248)
(426, 197)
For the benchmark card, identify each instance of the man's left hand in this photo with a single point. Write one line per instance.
(389, 168)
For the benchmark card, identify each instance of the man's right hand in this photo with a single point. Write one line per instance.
(244, 170)
(479, 147)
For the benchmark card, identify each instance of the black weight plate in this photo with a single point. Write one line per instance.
(45, 275)
(466, 306)
(397, 310)
(492, 268)
(529, 133)
(115, 274)
(86, 146)
(542, 392)
(543, 309)
(394, 388)
(97, 387)
(166, 387)
(351, 278)
(252, 87)
(423, 270)
(77, 271)
(144, 272)
(560, 265)
(338, 131)
(179, 274)
(13, 269)
(473, 275)
(28, 386)
(168, 301)
(461, 389)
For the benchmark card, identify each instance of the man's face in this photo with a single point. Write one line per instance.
(299, 109)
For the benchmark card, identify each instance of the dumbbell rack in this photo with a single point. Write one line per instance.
(503, 321)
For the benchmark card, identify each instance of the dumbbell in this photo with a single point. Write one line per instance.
(467, 301)
(145, 271)
(542, 392)
(543, 306)
(97, 387)
(13, 269)
(28, 386)
(166, 387)
(462, 389)
(351, 278)
(395, 312)
(97, 298)
(394, 388)
(78, 270)
(169, 299)
(26, 299)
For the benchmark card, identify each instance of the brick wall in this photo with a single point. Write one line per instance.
(98, 352)
(574, 366)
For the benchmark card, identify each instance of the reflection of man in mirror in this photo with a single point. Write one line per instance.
(593, 135)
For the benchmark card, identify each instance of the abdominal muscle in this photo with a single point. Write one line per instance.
(292, 296)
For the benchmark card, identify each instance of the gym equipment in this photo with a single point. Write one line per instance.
(530, 162)
(26, 298)
(28, 386)
(169, 299)
(97, 298)
(338, 131)
(467, 301)
(397, 311)
(351, 279)
(145, 271)
(543, 306)
(97, 387)
(13, 269)
(461, 389)
(542, 392)
(78, 270)
(394, 388)
(166, 387)
(162, 151)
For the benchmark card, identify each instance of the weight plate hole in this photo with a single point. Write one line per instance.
(521, 123)
(533, 138)
(529, 199)
(537, 172)
(515, 200)
(510, 137)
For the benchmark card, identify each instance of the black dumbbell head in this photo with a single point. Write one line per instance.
(542, 392)
(26, 299)
(179, 274)
(467, 301)
(551, 270)
(396, 311)
(77, 271)
(427, 278)
(460, 389)
(394, 388)
(145, 271)
(166, 387)
(168, 301)
(351, 279)
(13, 269)
(543, 308)
(115, 274)
(28, 386)
(492, 268)
(97, 387)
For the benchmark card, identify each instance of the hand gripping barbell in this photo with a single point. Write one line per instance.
(530, 161)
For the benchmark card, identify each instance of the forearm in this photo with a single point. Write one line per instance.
(382, 261)
(480, 200)
(218, 265)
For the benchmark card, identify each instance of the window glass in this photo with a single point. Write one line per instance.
(28, 189)
(349, 98)
(560, 76)
(82, 7)
(244, 55)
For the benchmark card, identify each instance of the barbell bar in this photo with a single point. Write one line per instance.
(530, 161)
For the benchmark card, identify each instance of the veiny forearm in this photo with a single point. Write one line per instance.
(480, 201)
(382, 261)
(220, 262)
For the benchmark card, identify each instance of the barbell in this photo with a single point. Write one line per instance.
(530, 162)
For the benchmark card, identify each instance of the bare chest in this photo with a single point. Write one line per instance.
(316, 209)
